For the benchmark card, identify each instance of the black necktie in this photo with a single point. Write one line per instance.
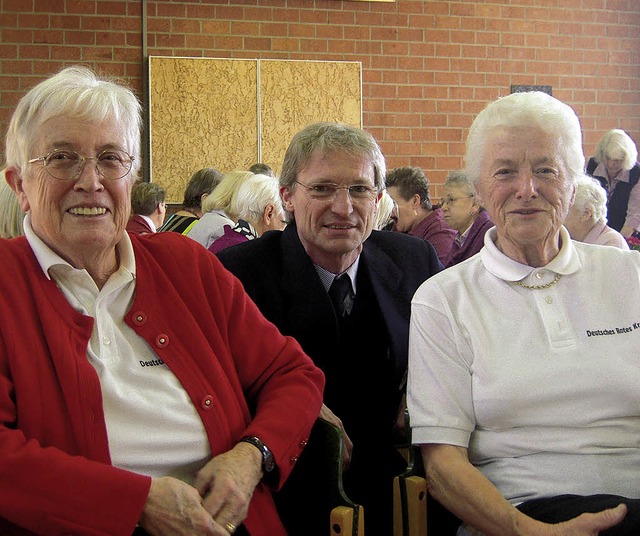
(338, 292)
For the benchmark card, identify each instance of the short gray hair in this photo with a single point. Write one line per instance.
(253, 196)
(74, 92)
(618, 145)
(591, 194)
(327, 138)
(224, 195)
(533, 108)
(459, 178)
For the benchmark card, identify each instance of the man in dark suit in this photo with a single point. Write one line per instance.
(331, 181)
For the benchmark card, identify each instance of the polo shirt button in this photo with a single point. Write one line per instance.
(139, 318)
(539, 274)
(548, 299)
(303, 443)
(293, 459)
(162, 340)
(207, 402)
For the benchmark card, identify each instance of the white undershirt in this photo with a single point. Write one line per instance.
(152, 425)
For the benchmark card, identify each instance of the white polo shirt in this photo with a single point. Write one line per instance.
(152, 425)
(541, 386)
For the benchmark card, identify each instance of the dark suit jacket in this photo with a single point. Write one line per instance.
(280, 277)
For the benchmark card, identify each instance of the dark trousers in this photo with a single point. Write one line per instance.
(565, 507)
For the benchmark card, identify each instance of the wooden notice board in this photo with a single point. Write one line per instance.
(229, 114)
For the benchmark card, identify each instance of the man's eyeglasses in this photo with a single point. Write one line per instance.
(449, 200)
(112, 164)
(328, 190)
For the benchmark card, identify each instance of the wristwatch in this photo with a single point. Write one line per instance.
(268, 463)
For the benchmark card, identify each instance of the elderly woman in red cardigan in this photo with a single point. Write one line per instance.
(135, 394)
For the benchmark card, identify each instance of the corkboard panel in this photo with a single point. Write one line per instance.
(203, 113)
(294, 94)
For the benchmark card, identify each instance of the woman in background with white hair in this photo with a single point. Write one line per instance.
(587, 218)
(615, 165)
(259, 208)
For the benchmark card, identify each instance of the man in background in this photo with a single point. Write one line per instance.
(147, 208)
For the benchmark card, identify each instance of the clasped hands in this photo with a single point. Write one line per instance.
(216, 503)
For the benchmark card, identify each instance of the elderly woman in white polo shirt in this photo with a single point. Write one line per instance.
(523, 360)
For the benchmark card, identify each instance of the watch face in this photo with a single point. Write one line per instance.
(267, 462)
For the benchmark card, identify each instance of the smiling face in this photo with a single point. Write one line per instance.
(525, 188)
(332, 230)
(80, 219)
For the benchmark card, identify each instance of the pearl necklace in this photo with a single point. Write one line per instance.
(539, 287)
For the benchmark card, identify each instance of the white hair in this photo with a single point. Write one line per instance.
(383, 213)
(591, 195)
(74, 92)
(253, 196)
(533, 108)
(617, 145)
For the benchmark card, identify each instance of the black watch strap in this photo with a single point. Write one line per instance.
(268, 463)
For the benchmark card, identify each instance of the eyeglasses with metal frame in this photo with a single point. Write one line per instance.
(63, 164)
(328, 190)
(448, 200)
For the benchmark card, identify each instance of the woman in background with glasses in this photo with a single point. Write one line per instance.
(462, 211)
(135, 395)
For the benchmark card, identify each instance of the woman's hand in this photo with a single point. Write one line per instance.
(589, 524)
(174, 508)
(227, 482)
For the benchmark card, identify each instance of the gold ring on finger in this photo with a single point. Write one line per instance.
(231, 528)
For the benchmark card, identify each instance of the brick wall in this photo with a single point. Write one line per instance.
(428, 66)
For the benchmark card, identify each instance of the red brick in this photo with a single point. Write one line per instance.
(111, 8)
(41, 52)
(185, 26)
(16, 36)
(171, 9)
(97, 53)
(216, 27)
(17, 6)
(79, 38)
(65, 53)
(80, 6)
(48, 36)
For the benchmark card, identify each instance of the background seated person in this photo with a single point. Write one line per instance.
(259, 168)
(11, 215)
(131, 393)
(462, 211)
(587, 218)
(219, 209)
(616, 166)
(409, 188)
(200, 185)
(387, 214)
(259, 210)
(523, 381)
(147, 207)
